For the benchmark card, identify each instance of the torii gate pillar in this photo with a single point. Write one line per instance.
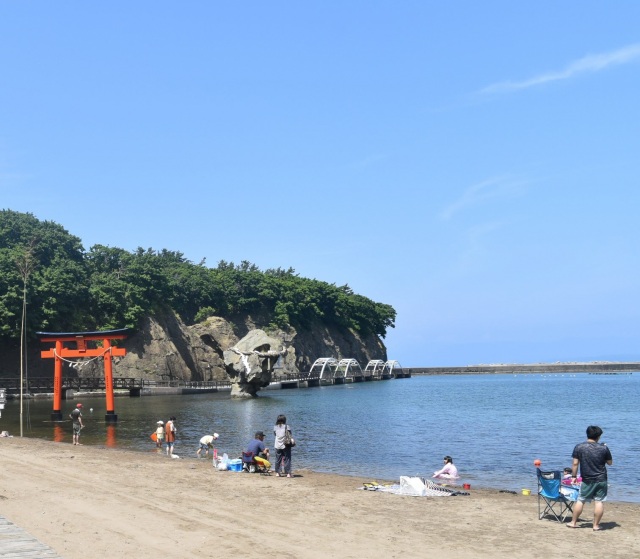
(80, 339)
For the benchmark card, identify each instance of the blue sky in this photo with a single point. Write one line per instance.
(473, 164)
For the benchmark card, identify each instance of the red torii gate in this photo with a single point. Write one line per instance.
(81, 349)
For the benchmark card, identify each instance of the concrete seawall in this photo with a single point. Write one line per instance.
(602, 368)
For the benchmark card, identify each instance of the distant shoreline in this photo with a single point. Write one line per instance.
(593, 367)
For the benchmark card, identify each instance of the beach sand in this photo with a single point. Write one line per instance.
(91, 501)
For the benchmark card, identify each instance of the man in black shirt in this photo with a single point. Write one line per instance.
(592, 457)
(76, 418)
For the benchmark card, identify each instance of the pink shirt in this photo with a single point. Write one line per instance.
(449, 471)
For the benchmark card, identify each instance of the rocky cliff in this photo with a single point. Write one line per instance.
(166, 349)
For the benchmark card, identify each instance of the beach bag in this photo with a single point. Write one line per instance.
(288, 439)
(223, 463)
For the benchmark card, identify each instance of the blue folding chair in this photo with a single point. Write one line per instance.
(551, 501)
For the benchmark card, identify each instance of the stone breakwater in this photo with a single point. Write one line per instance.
(594, 367)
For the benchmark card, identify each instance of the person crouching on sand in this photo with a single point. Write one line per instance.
(449, 471)
(206, 443)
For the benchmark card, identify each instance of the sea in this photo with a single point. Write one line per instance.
(493, 425)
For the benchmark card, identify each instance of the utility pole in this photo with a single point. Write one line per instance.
(25, 264)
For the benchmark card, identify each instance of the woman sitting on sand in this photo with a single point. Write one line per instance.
(449, 471)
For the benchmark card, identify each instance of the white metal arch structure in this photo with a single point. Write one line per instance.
(324, 367)
(346, 367)
(374, 368)
(393, 367)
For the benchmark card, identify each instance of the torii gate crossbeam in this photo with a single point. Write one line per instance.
(82, 350)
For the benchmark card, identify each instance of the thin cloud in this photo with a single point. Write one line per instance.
(588, 64)
(494, 188)
(12, 181)
(478, 247)
(369, 161)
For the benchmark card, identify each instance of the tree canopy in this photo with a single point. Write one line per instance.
(70, 289)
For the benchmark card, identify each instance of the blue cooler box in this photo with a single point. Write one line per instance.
(235, 465)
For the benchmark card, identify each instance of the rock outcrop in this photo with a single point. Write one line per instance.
(165, 349)
(251, 361)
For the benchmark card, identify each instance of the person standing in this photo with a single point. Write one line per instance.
(170, 434)
(159, 434)
(76, 418)
(593, 458)
(283, 450)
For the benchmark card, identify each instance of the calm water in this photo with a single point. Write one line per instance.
(494, 426)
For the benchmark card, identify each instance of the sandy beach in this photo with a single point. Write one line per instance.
(91, 501)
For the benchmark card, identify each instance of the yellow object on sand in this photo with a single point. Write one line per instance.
(526, 491)
(262, 461)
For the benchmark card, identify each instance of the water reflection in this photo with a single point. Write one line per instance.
(58, 433)
(111, 435)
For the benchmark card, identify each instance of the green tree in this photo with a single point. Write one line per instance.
(58, 284)
(104, 288)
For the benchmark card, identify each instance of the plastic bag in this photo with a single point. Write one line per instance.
(223, 463)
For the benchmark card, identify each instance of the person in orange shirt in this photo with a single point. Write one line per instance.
(170, 434)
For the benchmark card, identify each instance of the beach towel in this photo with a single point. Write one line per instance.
(415, 487)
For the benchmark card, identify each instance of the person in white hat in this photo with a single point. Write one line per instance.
(159, 434)
(206, 443)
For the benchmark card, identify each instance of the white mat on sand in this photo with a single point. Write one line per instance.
(414, 487)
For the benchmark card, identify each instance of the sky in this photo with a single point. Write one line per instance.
(473, 164)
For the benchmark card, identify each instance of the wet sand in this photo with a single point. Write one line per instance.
(91, 501)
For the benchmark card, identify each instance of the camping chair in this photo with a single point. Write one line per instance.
(556, 504)
(252, 463)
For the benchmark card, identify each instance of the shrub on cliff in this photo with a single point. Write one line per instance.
(71, 289)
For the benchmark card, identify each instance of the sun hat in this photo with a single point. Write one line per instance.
(215, 435)
(160, 422)
(78, 405)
